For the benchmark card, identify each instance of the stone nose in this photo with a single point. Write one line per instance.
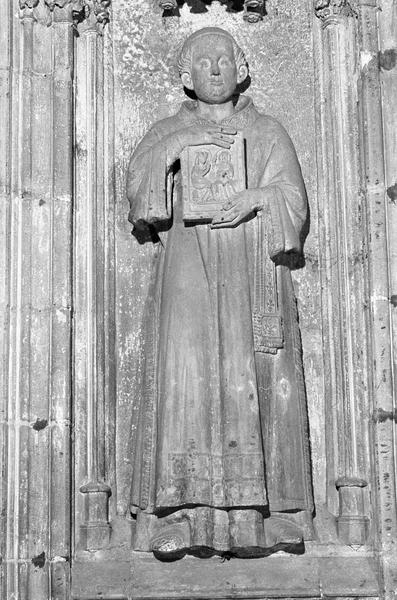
(215, 68)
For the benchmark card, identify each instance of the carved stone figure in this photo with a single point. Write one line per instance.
(221, 454)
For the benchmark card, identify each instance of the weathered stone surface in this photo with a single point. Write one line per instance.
(37, 230)
(145, 578)
(212, 440)
(36, 293)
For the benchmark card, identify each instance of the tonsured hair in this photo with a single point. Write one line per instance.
(186, 54)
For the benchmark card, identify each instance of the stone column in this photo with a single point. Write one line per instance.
(92, 290)
(388, 78)
(62, 222)
(387, 20)
(38, 189)
(378, 143)
(343, 259)
(7, 416)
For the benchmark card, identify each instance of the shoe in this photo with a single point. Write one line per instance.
(170, 542)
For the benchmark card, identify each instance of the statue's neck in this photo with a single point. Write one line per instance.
(215, 112)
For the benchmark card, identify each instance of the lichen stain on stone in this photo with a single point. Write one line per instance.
(40, 424)
(392, 193)
(39, 560)
(380, 416)
(388, 59)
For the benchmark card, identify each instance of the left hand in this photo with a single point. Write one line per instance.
(237, 208)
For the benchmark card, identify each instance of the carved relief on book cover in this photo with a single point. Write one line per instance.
(211, 176)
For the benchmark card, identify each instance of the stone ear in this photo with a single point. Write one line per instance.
(242, 73)
(187, 80)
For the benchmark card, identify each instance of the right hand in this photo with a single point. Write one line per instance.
(196, 135)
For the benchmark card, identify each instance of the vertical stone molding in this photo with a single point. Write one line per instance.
(36, 157)
(381, 216)
(387, 22)
(343, 258)
(387, 27)
(92, 283)
(62, 182)
(8, 429)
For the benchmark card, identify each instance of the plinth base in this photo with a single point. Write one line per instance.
(142, 577)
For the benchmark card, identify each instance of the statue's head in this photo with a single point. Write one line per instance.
(212, 65)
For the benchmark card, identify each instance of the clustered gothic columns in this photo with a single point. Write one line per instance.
(355, 261)
(343, 252)
(93, 282)
(36, 297)
(54, 244)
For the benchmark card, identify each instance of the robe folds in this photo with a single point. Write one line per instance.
(222, 435)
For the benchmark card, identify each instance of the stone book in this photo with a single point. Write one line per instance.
(210, 177)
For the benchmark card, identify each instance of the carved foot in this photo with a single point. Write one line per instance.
(171, 543)
(282, 534)
(205, 531)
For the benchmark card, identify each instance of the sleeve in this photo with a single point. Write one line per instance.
(284, 194)
(149, 181)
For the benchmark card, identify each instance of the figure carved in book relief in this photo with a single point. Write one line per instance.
(210, 176)
(221, 453)
(220, 181)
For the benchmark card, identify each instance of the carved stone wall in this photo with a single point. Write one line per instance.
(79, 83)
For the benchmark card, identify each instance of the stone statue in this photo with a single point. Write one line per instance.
(221, 453)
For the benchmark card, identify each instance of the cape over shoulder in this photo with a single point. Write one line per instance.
(166, 126)
(246, 114)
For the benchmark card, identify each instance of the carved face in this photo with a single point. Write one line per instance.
(213, 75)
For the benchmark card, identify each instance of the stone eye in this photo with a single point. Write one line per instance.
(205, 63)
(224, 61)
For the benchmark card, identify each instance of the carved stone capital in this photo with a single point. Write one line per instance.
(28, 4)
(91, 14)
(63, 10)
(27, 8)
(331, 11)
(59, 3)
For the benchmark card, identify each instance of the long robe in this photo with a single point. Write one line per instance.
(222, 433)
